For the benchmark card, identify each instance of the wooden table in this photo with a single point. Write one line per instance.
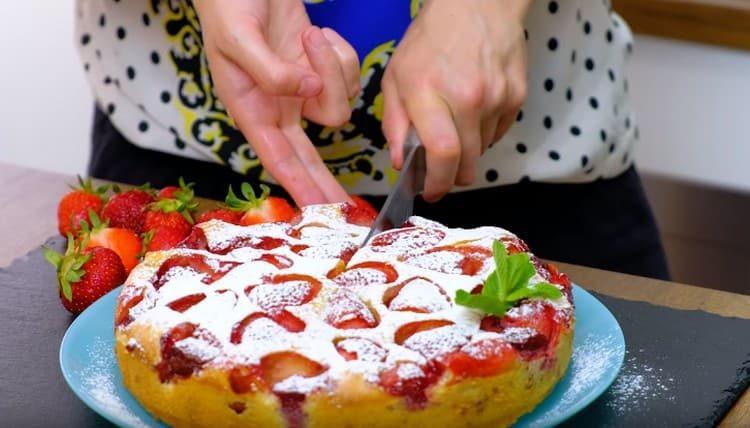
(29, 201)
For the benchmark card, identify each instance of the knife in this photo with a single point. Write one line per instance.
(399, 205)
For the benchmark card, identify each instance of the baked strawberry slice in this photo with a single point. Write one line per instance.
(359, 211)
(73, 209)
(122, 241)
(346, 311)
(455, 259)
(411, 381)
(481, 359)
(404, 242)
(279, 291)
(184, 303)
(559, 278)
(408, 330)
(279, 261)
(416, 294)
(283, 318)
(367, 273)
(260, 209)
(125, 304)
(279, 366)
(514, 244)
(356, 348)
(85, 274)
(537, 316)
(198, 263)
(181, 362)
(127, 209)
(245, 378)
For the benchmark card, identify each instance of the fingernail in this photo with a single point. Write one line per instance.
(309, 87)
(317, 39)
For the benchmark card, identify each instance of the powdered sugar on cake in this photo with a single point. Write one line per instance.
(315, 319)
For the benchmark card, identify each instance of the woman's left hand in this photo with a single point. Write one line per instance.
(459, 76)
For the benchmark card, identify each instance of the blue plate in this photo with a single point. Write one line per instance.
(89, 366)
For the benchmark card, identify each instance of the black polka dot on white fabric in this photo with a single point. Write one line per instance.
(611, 74)
(155, 57)
(130, 72)
(85, 39)
(165, 97)
(575, 131)
(554, 155)
(107, 80)
(110, 108)
(587, 27)
(569, 94)
(594, 103)
(573, 56)
(519, 116)
(491, 175)
(552, 44)
(608, 36)
(603, 136)
(612, 147)
(521, 148)
(146, 19)
(121, 33)
(625, 158)
(549, 85)
(102, 20)
(378, 176)
(143, 126)
(584, 161)
(627, 123)
(547, 122)
(589, 64)
(552, 7)
(86, 66)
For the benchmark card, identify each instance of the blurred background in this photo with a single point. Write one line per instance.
(689, 82)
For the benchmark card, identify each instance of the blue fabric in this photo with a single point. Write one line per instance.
(364, 24)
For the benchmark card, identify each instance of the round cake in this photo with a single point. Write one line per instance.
(293, 324)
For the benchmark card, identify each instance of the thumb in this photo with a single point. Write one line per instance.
(274, 75)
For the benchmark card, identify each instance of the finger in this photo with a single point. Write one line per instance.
(470, 135)
(348, 59)
(489, 126)
(259, 125)
(331, 106)
(246, 45)
(504, 125)
(432, 118)
(316, 168)
(395, 121)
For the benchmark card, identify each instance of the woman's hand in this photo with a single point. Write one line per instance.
(271, 68)
(459, 76)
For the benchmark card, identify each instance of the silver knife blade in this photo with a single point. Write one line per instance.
(399, 205)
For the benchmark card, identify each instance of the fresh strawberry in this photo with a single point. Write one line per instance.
(128, 209)
(168, 221)
(223, 214)
(181, 191)
(167, 192)
(124, 242)
(261, 209)
(85, 274)
(359, 211)
(74, 206)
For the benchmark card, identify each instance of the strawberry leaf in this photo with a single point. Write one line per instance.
(507, 284)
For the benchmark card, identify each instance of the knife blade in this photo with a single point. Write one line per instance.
(399, 205)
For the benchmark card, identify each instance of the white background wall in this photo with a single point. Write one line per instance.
(691, 100)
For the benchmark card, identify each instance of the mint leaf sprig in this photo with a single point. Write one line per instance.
(507, 284)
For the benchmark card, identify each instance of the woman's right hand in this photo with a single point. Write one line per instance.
(271, 67)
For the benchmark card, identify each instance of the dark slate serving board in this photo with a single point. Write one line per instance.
(683, 368)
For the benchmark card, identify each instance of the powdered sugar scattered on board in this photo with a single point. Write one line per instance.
(639, 383)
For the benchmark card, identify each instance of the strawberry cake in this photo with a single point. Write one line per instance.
(292, 324)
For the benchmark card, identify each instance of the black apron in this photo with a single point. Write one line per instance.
(607, 224)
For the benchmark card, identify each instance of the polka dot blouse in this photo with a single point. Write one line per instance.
(145, 63)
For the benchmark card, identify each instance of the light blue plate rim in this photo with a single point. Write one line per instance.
(607, 348)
